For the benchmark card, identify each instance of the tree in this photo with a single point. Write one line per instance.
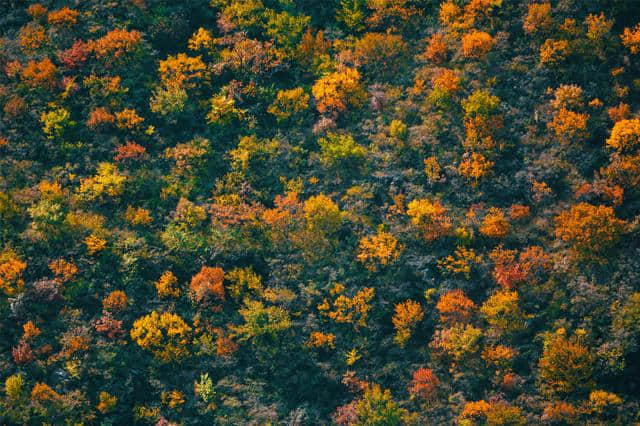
(503, 313)
(336, 149)
(378, 250)
(625, 135)
(405, 318)
(378, 408)
(589, 229)
(165, 335)
(565, 366)
(380, 55)
(181, 71)
(351, 14)
(336, 92)
(475, 167)
(63, 17)
(107, 182)
(477, 44)
(42, 74)
(11, 270)
(436, 50)
(569, 126)
(458, 342)
(322, 214)
(494, 224)
(460, 262)
(289, 103)
(167, 285)
(538, 19)
(207, 286)
(351, 310)
(454, 306)
(261, 322)
(429, 217)
(117, 43)
(631, 39)
(553, 52)
(424, 384)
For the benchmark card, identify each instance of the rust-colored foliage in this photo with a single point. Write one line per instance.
(477, 44)
(631, 39)
(14, 107)
(225, 346)
(380, 52)
(311, 47)
(109, 326)
(130, 151)
(99, 118)
(63, 270)
(424, 384)
(30, 331)
(436, 50)
(42, 74)
(75, 56)
(22, 353)
(519, 212)
(560, 412)
(553, 52)
(207, 286)
(42, 393)
(116, 44)
(36, 11)
(475, 167)
(454, 306)
(567, 96)
(620, 112)
(538, 18)
(116, 301)
(318, 339)
(33, 38)
(509, 272)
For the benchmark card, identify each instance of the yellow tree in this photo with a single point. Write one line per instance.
(565, 365)
(429, 217)
(166, 335)
(336, 92)
(405, 318)
(503, 313)
(381, 249)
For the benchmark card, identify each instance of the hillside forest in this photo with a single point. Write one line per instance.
(319, 212)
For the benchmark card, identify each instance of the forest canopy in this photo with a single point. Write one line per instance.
(297, 212)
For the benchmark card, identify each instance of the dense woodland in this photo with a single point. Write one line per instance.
(301, 212)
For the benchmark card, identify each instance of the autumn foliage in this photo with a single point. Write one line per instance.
(352, 212)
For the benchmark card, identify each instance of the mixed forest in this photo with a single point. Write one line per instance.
(310, 212)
